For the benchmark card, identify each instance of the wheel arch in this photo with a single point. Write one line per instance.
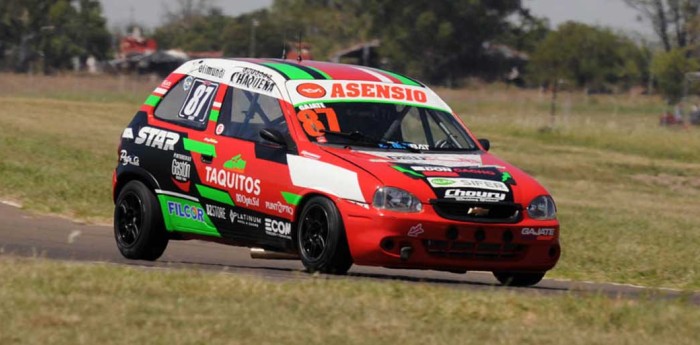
(129, 175)
(302, 203)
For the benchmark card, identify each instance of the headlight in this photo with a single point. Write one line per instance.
(542, 208)
(396, 199)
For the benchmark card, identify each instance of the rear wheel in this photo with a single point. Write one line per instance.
(138, 223)
(519, 278)
(323, 246)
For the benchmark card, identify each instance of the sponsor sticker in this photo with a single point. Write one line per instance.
(279, 207)
(216, 211)
(311, 90)
(126, 159)
(253, 80)
(180, 167)
(244, 219)
(539, 234)
(416, 230)
(431, 159)
(230, 180)
(467, 183)
(278, 228)
(474, 195)
(186, 211)
(157, 138)
(247, 200)
(377, 90)
(212, 71)
(231, 176)
(187, 84)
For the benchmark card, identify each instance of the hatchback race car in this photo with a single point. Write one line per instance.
(334, 164)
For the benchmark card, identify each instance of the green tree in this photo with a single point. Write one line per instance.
(53, 31)
(673, 21)
(587, 56)
(195, 32)
(438, 41)
(669, 69)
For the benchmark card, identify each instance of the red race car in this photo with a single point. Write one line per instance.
(334, 164)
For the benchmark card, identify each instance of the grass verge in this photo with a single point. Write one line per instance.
(627, 190)
(67, 303)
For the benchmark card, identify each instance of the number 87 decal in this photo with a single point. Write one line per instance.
(198, 100)
(312, 124)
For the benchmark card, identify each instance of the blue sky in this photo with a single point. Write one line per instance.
(610, 13)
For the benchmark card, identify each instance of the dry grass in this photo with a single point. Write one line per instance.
(626, 189)
(59, 303)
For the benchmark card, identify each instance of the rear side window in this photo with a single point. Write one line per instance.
(188, 103)
(245, 113)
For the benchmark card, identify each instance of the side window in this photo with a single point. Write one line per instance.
(188, 103)
(245, 113)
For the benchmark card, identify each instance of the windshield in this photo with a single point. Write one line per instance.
(383, 125)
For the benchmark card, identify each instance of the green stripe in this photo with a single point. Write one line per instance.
(372, 101)
(407, 171)
(175, 222)
(214, 194)
(199, 147)
(214, 115)
(401, 78)
(152, 100)
(324, 74)
(290, 71)
(291, 198)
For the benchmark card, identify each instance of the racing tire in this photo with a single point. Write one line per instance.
(320, 237)
(138, 223)
(520, 279)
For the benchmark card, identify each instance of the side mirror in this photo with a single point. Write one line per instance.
(485, 143)
(273, 135)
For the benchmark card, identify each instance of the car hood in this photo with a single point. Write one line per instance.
(475, 176)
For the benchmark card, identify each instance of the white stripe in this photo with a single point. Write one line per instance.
(183, 196)
(216, 105)
(381, 78)
(324, 177)
(161, 91)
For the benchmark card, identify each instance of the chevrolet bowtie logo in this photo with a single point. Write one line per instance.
(478, 211)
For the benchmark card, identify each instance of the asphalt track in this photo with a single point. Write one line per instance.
(29, 235)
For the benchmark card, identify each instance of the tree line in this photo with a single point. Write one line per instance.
(439, 42)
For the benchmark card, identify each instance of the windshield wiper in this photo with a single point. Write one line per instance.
(359, 137)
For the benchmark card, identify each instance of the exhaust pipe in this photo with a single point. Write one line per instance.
(259, 253)
(406, 252)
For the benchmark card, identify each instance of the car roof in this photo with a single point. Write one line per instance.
(266, 76)
(321, 70)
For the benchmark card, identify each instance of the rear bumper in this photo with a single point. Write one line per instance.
(376, 238)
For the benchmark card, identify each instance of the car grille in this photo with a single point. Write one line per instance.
(473, 250)
(504, 212)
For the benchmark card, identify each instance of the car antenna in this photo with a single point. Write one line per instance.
(299, 49)
(284, 47)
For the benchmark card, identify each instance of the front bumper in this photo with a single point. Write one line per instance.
(376, 238)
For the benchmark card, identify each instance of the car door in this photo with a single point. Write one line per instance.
(252, 171)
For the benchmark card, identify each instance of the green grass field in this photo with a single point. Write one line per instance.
(43, 302)
(627, 190)
(627, 194)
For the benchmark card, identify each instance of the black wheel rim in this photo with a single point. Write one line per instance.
(129, 217)
(314, 233)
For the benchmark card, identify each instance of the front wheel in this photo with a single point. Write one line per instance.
(323, 246)
(519, 278)
(138, 223)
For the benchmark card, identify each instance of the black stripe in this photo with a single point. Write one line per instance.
(313, 72)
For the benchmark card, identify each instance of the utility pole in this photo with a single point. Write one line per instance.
(254, 24)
